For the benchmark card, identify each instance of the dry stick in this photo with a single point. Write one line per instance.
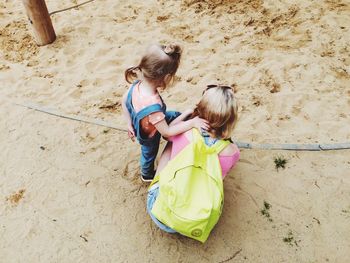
(292, 147)
(68, 8)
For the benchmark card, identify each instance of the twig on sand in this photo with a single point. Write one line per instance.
(231, 257)
(315, 183)
(318, 221)
(84, 238)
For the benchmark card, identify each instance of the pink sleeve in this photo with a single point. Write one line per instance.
(228, 162)
(179, 142)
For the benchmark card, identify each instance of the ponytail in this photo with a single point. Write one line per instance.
(130, 74)
(174, 51)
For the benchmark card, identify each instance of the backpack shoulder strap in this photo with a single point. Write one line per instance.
(220, 145)
(217, 147)
(196, 135)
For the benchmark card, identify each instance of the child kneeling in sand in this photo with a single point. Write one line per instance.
(218, 106)
(145, 110)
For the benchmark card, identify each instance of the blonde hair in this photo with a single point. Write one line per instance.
(219, 107)
(158, 65)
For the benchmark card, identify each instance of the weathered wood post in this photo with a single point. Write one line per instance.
(39, 17)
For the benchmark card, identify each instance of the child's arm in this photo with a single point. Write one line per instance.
(181, 117)
(127, 117)
(180, 127)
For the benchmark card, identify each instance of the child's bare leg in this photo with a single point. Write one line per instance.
(165, 157)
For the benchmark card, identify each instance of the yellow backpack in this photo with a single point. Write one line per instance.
(191, 192)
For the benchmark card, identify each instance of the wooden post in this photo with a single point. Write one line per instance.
(39, 17)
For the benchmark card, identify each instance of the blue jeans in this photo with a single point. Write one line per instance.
(149, 149)
(151, 198)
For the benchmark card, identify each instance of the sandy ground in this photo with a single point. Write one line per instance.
(70, 192)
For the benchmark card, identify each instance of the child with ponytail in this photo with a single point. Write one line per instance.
(145, 110)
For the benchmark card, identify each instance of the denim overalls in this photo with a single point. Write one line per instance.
(149, 146)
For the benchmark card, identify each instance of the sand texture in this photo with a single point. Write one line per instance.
(70, 191)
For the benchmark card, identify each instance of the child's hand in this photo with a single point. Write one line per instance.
(200, 123)
(131, 132)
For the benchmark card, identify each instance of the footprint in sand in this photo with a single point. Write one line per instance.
(131, 171)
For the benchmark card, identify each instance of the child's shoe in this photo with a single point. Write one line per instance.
(148, 177)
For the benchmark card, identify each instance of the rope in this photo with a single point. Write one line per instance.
(72, 117)
(242, 145)
(295, 147)
(68, 8)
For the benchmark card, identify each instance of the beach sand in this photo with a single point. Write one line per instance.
(71, 192)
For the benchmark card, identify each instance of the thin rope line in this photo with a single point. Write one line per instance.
(71, 117)
(68, 8)
(244, 145)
